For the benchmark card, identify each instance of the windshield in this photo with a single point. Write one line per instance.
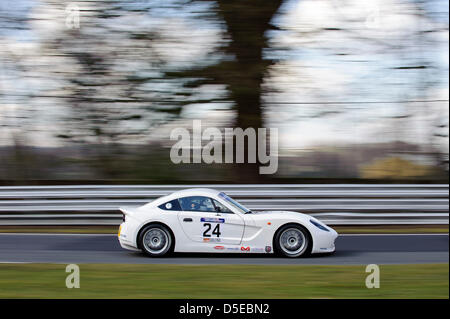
(240, 207)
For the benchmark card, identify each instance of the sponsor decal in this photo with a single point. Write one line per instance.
(219, 247)
(245, 248)
(212, 220)
(211, 240)
(258, 250)
(233, 248)
(268, 249)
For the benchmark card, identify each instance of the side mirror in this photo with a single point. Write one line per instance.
(218, 209)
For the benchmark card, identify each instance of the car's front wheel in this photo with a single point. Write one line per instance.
(292, 241)
(155, 240)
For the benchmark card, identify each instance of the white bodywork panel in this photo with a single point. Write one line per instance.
(200, 231)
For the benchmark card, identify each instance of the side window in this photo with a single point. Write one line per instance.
(172, 205)
(222, 208)
(197, 204)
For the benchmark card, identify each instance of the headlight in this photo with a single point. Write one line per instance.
(318, 225)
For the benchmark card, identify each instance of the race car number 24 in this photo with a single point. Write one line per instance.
(215, 231)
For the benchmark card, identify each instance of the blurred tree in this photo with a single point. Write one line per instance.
(247, 22)
(244, 70)
(133, 65)
(113, 75)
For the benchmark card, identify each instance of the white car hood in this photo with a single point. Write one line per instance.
(280, 213)
(275, 212)
(287, 216)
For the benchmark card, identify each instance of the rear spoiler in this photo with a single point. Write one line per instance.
(128, 211)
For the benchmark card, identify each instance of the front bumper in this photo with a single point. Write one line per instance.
(325, 242)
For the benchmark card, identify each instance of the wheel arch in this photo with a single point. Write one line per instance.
(138, 244)
(308, 233)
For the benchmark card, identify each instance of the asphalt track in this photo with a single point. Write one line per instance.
(350, 250)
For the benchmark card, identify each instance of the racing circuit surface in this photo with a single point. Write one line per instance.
(350, 249)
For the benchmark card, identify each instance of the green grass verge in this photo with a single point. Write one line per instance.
(372, 229)
(223, 281)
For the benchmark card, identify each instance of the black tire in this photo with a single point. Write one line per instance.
(292, 240)
(156, 240)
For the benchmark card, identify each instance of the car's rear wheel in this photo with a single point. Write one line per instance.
(155, 240)
(292, 241)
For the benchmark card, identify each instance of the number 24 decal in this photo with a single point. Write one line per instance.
(216, 230)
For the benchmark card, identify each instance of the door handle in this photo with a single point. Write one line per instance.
(187, 219)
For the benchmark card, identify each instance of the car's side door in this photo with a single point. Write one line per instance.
(202, 221)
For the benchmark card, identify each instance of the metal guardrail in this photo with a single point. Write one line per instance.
(335, 204)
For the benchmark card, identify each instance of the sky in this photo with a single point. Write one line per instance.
(365, 70)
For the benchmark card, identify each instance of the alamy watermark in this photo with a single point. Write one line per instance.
(221, 148)
(72, 16)
(73, 279)
(373, 279)
(348, 11)
(373, 16)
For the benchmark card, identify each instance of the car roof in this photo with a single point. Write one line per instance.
(198, 191)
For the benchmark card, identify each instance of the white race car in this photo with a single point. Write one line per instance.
(207, 220)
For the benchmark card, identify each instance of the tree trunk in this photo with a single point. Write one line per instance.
(247, 21)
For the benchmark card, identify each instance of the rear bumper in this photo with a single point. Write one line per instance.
(125, 238)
